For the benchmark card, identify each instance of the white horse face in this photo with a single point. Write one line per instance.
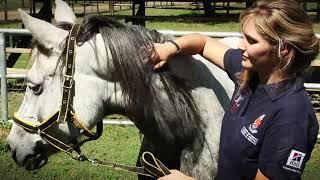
(43, 95)
(41, 100)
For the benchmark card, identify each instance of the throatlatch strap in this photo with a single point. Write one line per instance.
(68, 77)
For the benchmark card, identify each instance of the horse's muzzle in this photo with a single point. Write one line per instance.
(33, 162)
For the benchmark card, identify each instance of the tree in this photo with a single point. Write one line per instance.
(208, 8)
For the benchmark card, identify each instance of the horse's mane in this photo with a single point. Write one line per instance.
(172, 107)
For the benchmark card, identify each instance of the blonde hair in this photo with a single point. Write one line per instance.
(283, 23)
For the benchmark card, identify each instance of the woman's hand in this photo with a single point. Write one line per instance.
(162, 53)
(176, 175)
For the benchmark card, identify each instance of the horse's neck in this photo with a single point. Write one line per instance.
(94, 72)
(199, 72)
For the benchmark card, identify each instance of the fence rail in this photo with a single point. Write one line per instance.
(3, 69)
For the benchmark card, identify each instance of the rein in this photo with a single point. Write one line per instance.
(151, 166)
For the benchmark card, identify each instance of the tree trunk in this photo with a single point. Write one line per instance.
(208, 9)
(141, 12)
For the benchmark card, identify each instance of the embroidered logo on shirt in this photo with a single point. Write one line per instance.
(236, 102)
(255, 125)
(248, 136)
(295, 159)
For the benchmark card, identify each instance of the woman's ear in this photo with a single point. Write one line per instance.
(285, 49)
(287, 53)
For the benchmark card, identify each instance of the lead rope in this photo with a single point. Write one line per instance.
(151, 166)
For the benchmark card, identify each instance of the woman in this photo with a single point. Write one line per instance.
(270, 128)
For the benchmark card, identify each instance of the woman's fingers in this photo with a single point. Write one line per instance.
(158, 55)
(176, 175)
(159, 64)
(154, 56)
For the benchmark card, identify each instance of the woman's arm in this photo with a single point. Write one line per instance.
(260, 176)
(209, 48)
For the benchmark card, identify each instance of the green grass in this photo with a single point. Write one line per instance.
(117, 144)
(23, 62)
(183, 26)
(312, 170)
(14, 101)
(14, 4)
(11, 25)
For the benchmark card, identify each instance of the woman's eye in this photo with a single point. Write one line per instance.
(250, 40)
(37, 89)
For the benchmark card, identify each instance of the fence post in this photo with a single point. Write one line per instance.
(5, 10)
(3, 71)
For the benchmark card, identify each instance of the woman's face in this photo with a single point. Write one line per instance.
(257, 52)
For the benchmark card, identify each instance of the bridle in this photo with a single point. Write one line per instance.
(152, 167)
(66, 112)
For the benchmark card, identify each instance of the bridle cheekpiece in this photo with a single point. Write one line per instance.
(66, 112)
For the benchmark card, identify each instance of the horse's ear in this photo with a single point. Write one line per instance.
(45, 33)
(64, 13)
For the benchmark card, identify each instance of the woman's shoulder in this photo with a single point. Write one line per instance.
(294, 107)
(290, 94)
(296, 99)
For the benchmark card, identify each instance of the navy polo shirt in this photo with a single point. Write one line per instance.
(272, 127)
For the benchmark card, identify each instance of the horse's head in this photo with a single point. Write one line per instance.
(43, 97)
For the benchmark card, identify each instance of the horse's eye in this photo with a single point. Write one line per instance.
(35, 88)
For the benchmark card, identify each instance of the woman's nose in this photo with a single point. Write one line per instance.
(242, 45)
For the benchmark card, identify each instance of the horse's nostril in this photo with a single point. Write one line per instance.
(39, 147)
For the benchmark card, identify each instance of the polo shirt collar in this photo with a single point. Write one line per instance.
(277, 90)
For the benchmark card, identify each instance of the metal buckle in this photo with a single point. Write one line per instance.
(94, 162)
(70, 79)
(74, 154)
(38, 130)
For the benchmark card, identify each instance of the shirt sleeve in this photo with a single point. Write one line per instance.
(232, 63)
(288, 144)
